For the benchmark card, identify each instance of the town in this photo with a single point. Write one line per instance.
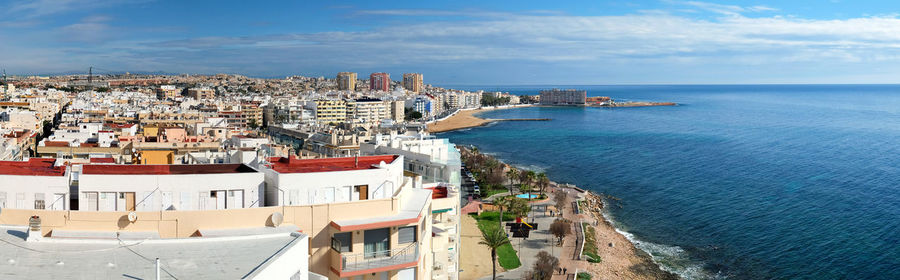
(315, 178)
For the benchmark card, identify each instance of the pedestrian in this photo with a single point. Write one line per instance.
(564, 270)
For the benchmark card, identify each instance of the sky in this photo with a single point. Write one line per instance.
(506, 42)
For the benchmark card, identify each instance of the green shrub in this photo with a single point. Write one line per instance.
(583, 276)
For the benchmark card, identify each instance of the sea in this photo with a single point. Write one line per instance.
(736, 182)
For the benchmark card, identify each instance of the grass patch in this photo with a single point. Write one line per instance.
(490, 192)
(583, 276)
(590, 244)
(506, 255)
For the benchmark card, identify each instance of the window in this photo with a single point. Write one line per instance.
(39, 201)
(406, 234)
(342, 242)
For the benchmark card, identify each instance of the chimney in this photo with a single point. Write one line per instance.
(34, 229)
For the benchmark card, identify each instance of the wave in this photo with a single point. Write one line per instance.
(668, 257)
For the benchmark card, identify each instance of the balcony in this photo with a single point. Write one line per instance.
(348, 265)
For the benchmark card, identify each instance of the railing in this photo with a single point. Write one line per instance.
(373, 260)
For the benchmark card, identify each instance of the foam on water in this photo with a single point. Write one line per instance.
(668, 257)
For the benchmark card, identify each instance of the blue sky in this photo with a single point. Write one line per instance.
(464, 42)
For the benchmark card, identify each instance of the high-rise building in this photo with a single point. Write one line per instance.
(380, 81)
(398, 110)
(346, 81)
(412, 82)
(563, 97)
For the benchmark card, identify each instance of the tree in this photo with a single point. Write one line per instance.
(252, 124)
(561, 198)
(543, 182)
(560, 228)
(518, 206)
(493, 238)
(544, 266)
(512, 174)
(412, 115)
(501, 202)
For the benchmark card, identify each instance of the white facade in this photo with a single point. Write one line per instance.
(435, 159)
(34, 184)
(155, 192)
(306, 188)
(34, 192)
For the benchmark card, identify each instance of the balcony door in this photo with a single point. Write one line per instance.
(377, 242)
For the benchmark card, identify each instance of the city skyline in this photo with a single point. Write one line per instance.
(464, 43)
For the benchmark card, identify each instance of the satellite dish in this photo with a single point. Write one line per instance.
(277, 218)
(132, 217)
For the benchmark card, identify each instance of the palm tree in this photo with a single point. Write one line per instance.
(493, 238)
(512, 174)
(542, 181)
(529, 179)
(501, 201)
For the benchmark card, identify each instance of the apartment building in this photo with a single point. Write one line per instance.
(367, 111)
(563, 97)
(412, 82)
(391, 227)
(380, 81)
(329, 111)
(201, 93)
(346, 81)
(167, 92)
(435, 159)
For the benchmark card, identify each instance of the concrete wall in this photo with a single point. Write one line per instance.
(12, 185)
(310, 188)
(185, 190)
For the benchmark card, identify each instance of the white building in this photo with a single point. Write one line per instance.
(435, 159)
(169, 187)
(292, 181)
(34, 184)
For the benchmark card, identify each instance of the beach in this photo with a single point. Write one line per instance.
(465, 119)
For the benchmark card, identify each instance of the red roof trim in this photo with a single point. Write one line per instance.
(32, 167)
(137, 169)
(295, 165)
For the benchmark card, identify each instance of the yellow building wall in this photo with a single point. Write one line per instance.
(157, 157)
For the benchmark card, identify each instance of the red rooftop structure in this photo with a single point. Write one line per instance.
(295, 165)
(32, 167)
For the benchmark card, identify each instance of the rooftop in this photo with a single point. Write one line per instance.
(294, 165)
(136, 169)
(234, 257)
(32, 167)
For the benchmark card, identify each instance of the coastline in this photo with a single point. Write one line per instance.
(466, 119)
(621, 257)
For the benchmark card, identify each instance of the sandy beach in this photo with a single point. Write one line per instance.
(466, 119)
(463, 119)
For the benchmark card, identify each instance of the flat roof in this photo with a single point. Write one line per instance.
(295, 165)
(165, 169)
(233, 257)
(32, 167)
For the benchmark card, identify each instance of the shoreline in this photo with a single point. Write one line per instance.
(624, 259)
(466, 119)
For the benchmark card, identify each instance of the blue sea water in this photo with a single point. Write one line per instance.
(737, 182)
